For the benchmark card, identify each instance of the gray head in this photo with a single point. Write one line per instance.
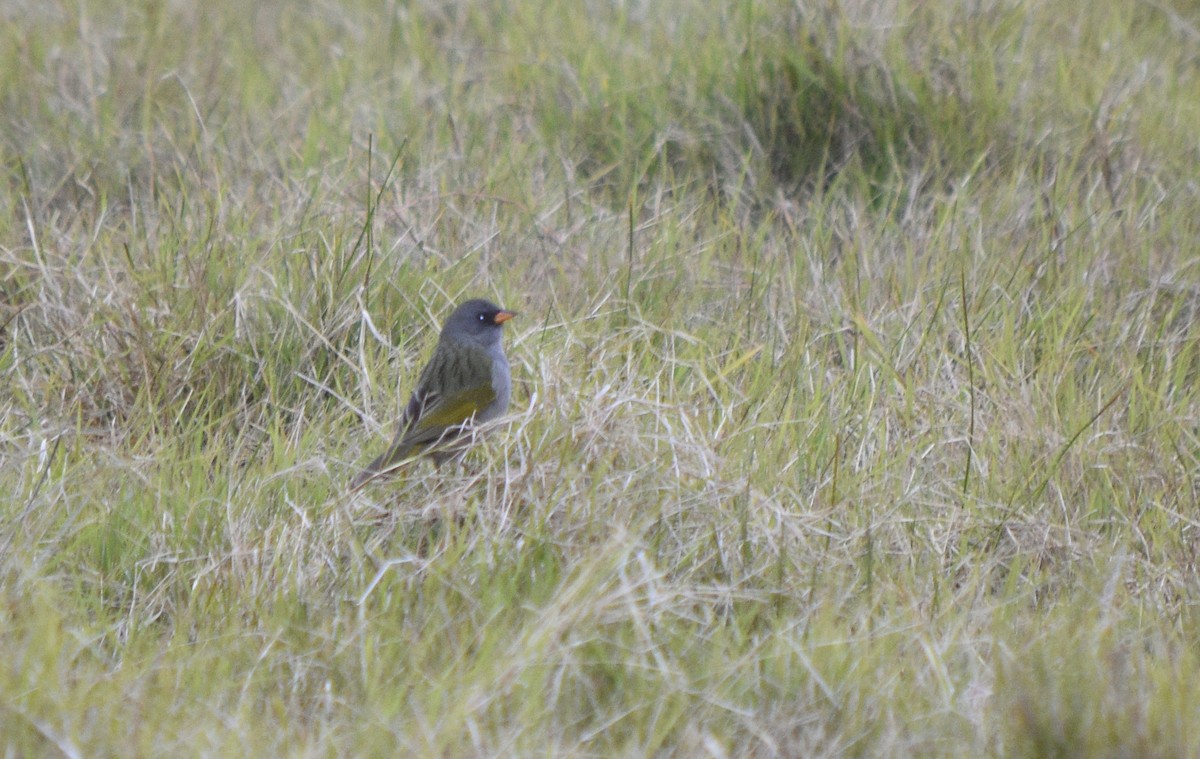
(477, 320)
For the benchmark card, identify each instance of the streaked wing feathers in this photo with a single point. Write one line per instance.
(447, 412)
(455, 386)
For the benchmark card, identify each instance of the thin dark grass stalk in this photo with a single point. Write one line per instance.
(1062, 452)
(366, 232)
(968, 353)
(630, 251)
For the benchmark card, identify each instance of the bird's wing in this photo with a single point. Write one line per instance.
(433, 417)
(463, 382)
(465, 389)
(432, 414)
(437, 413)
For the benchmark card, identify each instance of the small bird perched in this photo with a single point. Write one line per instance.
(467, 380)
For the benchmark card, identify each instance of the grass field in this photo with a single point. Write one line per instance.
(855, 406)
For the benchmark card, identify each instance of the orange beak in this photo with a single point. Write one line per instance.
(504, 316)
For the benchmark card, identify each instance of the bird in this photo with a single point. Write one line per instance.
(467, 381)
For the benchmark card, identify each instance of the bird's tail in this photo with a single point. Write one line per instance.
(380, 466)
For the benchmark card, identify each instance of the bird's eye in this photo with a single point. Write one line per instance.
(483, 317)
